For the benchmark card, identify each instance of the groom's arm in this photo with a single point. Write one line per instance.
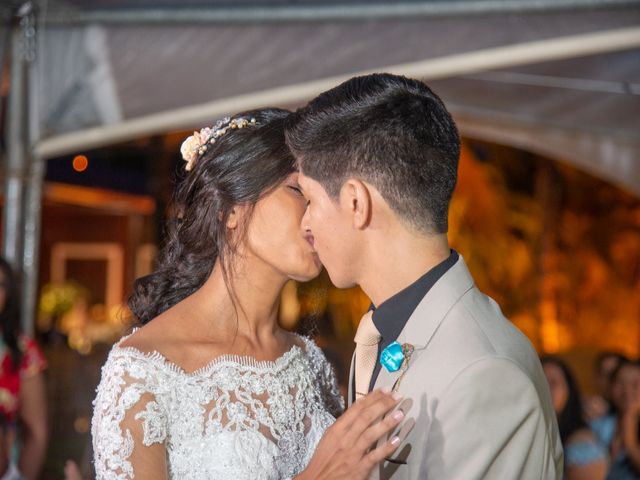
(489, 423)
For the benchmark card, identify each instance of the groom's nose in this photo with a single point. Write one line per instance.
(304, 223)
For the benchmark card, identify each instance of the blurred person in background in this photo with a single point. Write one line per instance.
(72, 471)
(584, 457)
(23, 412)
(599, 404)
(619, 431)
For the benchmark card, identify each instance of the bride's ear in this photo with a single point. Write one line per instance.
(355, 198)
(232, 219)
(236, 216)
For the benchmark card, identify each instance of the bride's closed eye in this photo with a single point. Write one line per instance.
(296, 189)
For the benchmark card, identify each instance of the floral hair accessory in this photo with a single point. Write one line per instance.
(198, 143)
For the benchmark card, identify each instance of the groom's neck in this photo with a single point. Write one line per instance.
(395, 262)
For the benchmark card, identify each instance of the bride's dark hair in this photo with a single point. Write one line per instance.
(242, 166)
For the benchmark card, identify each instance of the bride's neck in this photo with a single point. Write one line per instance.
(246, 302)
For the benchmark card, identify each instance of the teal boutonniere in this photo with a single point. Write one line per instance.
(396, 357)
(392, 357)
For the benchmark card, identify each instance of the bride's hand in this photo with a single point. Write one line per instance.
(344, 450)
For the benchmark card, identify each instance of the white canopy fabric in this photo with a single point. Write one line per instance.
(559, 77)
(111, 81)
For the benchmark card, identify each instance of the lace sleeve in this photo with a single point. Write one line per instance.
(129, 424)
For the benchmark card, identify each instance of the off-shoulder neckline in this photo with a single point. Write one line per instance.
(227, 359)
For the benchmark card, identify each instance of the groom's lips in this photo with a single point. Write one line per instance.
(309, 238)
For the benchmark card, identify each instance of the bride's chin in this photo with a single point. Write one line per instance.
(308, 274)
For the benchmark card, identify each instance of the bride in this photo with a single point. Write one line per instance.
(210, 387)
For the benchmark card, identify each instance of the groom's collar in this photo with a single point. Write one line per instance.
(393, 314)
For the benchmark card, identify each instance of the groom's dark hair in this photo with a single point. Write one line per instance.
(388, 130)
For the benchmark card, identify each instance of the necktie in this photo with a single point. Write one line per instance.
(367, 339)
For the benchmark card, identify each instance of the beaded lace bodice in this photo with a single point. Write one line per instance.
(236, 418)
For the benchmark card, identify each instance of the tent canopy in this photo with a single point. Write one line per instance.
(561, 78)
(558, 77)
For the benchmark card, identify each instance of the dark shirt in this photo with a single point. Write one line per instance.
(393, 314)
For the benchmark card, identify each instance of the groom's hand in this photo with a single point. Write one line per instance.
(344, 452)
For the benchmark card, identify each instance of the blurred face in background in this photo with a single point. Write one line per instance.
(557, 385)
(625, 389)
(603, 375)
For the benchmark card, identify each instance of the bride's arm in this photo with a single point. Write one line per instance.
(144, 423)
(128, 426)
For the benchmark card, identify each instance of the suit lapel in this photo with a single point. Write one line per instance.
(386, 378)
(418, 331)
(429, 313)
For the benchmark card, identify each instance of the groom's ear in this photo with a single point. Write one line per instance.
(355, 199)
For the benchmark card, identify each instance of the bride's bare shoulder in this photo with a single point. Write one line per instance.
(151, 337)
(176, 339)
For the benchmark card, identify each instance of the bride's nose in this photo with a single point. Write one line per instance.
(304, 223)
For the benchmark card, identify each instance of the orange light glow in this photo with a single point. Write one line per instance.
(80, 163)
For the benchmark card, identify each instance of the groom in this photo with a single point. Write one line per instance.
(378, 159)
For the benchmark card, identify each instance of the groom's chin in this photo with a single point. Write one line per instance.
(340, 281)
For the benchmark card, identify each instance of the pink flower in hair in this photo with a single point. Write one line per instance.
(189, 150)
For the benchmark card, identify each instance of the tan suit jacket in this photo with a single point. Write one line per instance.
(480, 400)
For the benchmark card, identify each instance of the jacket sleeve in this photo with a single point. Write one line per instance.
(490, 423)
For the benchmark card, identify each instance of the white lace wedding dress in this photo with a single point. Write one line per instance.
(236, 418)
